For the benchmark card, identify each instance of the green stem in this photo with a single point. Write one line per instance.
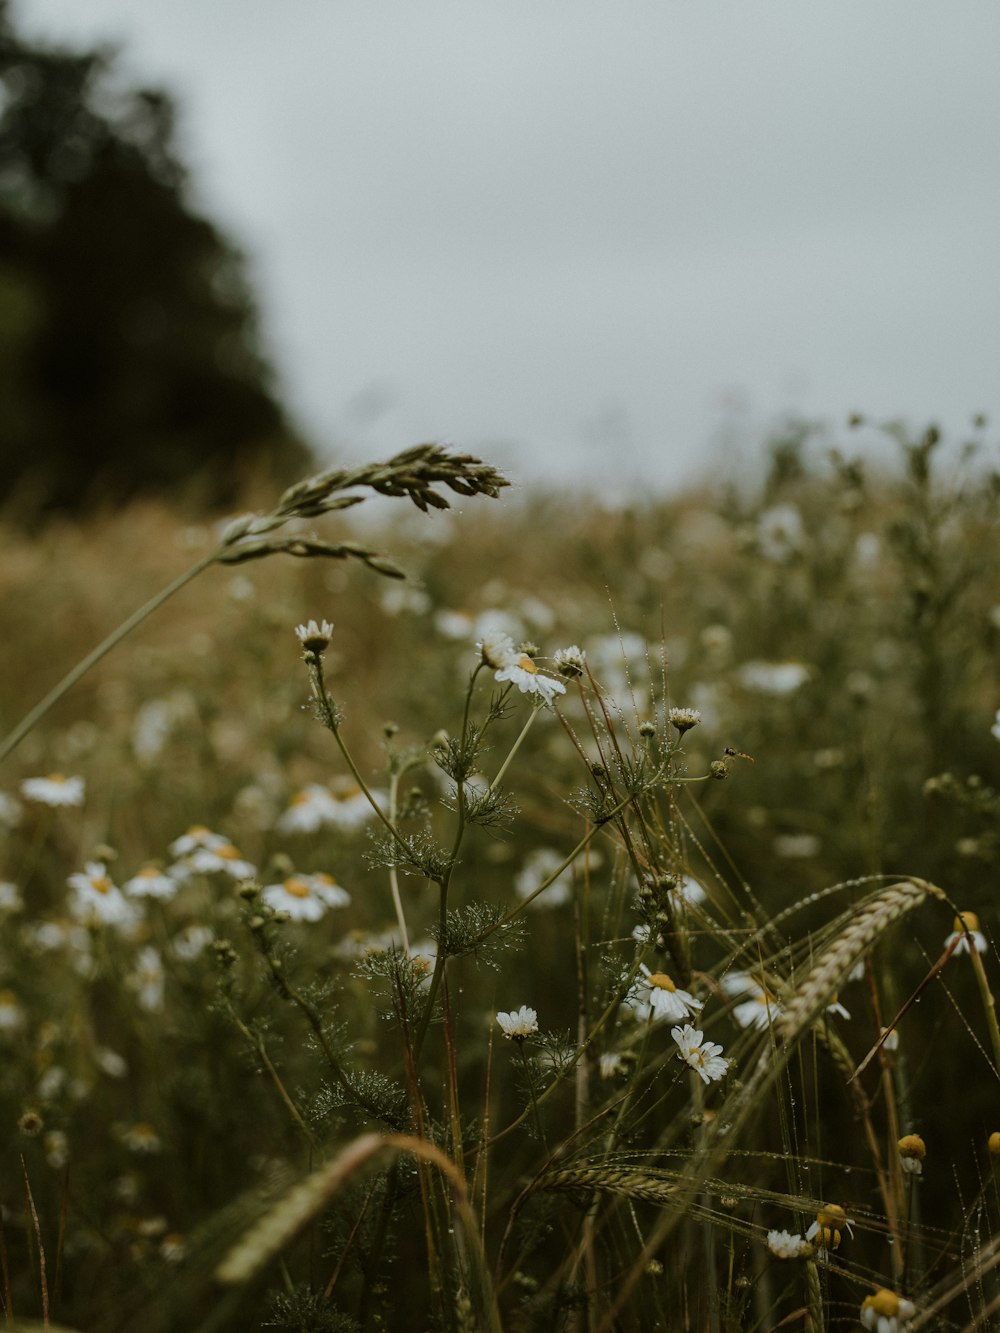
(31, 720)
(514, 749)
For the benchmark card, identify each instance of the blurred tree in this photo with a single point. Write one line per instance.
(129, 350)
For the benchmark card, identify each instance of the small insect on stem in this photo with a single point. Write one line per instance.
(738, 754)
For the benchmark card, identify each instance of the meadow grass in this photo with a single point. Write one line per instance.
(562, 936)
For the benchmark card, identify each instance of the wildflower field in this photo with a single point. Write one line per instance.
(519, 915)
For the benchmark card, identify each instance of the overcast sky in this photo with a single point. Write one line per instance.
(563, 233)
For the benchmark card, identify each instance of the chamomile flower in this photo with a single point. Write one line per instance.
(571, 662)
(54, 790)
(777, 678)
(912, 1151)
(191, 942)
(831, 1221)
(659, 999)
(10, 897)
(223, 859)
(538, 866)
(760, 1010)
(995, 729)
(315, 638)
(151, 883)
(704, 1057)
(885, 1312)
(835, 1007)
(497, 650)
(351, 807)
(305, 897)
(196, 837)
(683, 718)
(783, 1245)
(309, 809)
(96, 899)
(140, 1138)
(525, 675)
(964, 925)
(519, 1023)
(148, 980)
(10, 811)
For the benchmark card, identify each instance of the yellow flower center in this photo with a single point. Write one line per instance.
(227, 852)
(297, 888)
(325, 879)
(831, 1215)
(912, 1145)
(197, 831)
(100, 883)
(966, 921)
(348, 793)
(148, 872)
(661, 981)
(993, 1143)
(883, 1302)
(55, 777)
(526, 664)
(300, 798)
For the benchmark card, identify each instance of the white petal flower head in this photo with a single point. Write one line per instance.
(497, 649)
(664, 1000)
(10, 897)
(684, 718)
(995, 729)
(831, 1222)
(315, 638)
(760, 1010)
(224, 859)
(966, 924)
(539, 864)
(148, 979)
(11, 810)
(783, 1245)
(519, 1023)
(690, 891)
(704, 1057)
(776, 678)
(305, 897)
(529, 680)
(54, 790)
(835, 1007)
(151, 883)
(309, 809)
(196, 836)
(571, 662)
(351, 807)
(97, 899)
(885, 1312)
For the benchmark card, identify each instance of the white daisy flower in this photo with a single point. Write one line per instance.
(912, 1151)
(760, 1010)
(97, 899)
(835, 1007)
(140, 1138)
(773, 677)
(519, 1023)
(197, 836)
(148, 980)
(538, 866)
(964, 925)
(305, 897)
(497, 649)
(704, 1057)
(151, 883)
(54, 790)
(891, 1042)
(191, 942)
(11, 1013)
(309, 809)
(611, 1065)
(885, 1312)
(683, 718)
(690, 891)
(110, 1062)
(995, 729)
(10, 897)
(570, 662)
(831, 1221)
(315, 638)
(351, 807)
(779, 532)
(224, 859)
(658, 998)
(783, 1245)
(525, 675)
